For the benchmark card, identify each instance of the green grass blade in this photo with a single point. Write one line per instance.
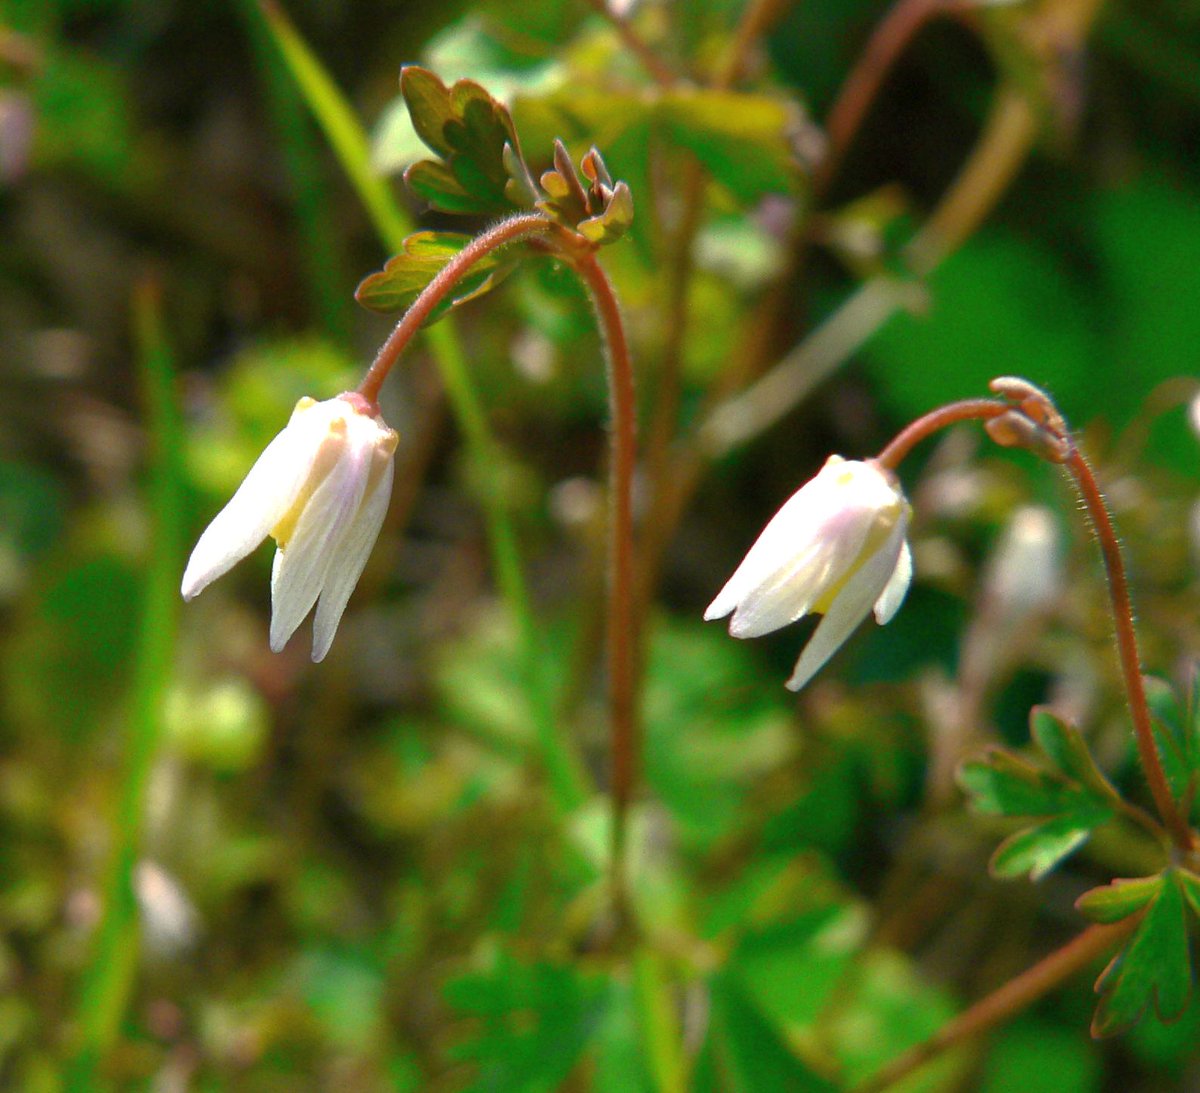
(105, 988)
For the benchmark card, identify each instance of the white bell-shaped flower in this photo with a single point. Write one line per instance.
(837, 548)
(320, 489)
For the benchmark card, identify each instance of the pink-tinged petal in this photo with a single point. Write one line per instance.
(897, 587)
(849, 609)
(793, 540)
(350, 560)
(266, 493)
(300, 568)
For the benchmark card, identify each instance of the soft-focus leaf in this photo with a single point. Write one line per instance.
(1118, 900)
(1063, 745)
(1005, 785)
(749, 1053)
(1038, 849)
(532, 1022)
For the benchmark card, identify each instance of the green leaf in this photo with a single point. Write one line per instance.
(742, 139)
(1038, 849)
(1120, 899)
(530, 1022)
(1004, 784)
(405, 275)
(1063, 744)
(749, 1052)
(1153, 968)
(1189, 884)
(469, 131)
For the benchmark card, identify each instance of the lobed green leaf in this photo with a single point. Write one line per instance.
(425, 254)
(475, 141)
(1154, 968)
(1120, 899)
(1037, 850)
(1063, 744)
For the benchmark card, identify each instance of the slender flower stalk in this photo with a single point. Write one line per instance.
(622, 632)
(1030, 420)
(972, 409)
(506, 232)
(1127, 650)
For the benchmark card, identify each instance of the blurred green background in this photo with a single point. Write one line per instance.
(226, 869)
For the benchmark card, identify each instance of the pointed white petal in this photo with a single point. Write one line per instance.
(848, 610)
(265, 494)
(350, 560)
(897, 587)
(301, 567)
(786, 547)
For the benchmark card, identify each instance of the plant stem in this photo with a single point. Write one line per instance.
(756, 20)
(1118, 586)
(622, 629)
(658, 69)
(971, 409)
(887, 43)
(1127, 649)
(506, 232)
(104, 991)
(1007, 1000)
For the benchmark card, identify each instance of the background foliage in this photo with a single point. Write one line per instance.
(355, 876)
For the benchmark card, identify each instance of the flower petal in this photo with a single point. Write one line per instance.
(784, 571)
(849, 608)
(300, 568)
(266, 493)
(352, 553)
(897, 587)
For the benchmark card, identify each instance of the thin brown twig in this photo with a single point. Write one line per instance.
(888, 41)
(1007, 1000)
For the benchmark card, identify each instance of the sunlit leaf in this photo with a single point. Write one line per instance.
(469, 131)
(405, 275)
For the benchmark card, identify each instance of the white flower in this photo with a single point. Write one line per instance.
(320, 489)
(836, 548)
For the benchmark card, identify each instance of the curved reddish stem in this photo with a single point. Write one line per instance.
(504, 233)
(1127, 649)
(971, 409)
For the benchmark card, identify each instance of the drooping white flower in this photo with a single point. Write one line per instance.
(320, 489)
(837, 548)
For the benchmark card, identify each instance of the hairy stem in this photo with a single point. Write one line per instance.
(971, 409)
(1004, 1002)
(622, 629)
(1127, 649)
(502, 235)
